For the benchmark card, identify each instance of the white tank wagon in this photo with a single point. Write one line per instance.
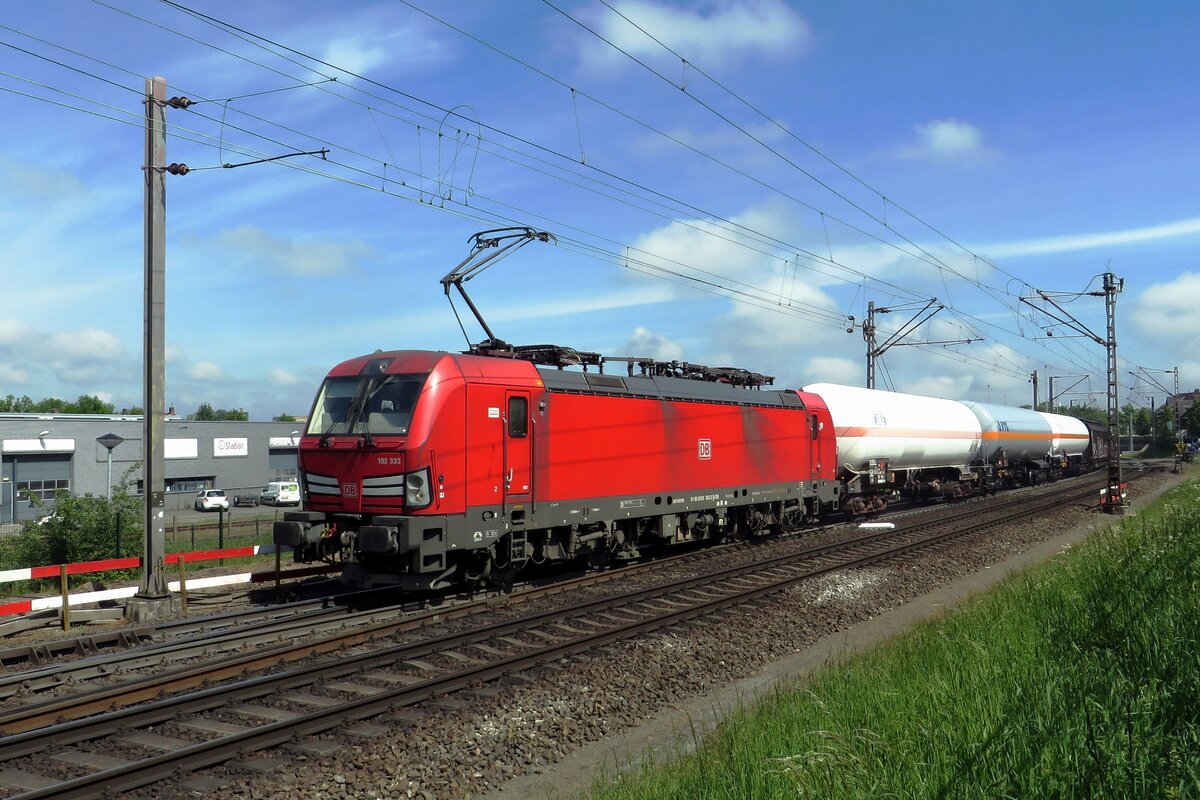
(1015, 434)
(889, 440)
(1023, 446)
(1071, 437)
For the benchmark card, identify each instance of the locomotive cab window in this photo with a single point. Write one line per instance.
(518, 417)
(381, 404)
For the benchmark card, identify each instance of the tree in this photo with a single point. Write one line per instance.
(206, 413)
(90, 404)
(86, 404)
(83, 528)
(1190, 420)
(284, 418)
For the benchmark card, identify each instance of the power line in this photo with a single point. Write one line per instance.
(384, 179)
(791, 134)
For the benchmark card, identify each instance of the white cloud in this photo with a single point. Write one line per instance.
(645, 342)
(947, 140)
(1169, 310)
(712, 34)
(10, 374)
(13, 331)
(255, 246)
(205, 371)
(39, 183)
(790, 314)
(558, 306)
(282, 377)
(358, 55)
(91, 344)
(830, 369)
(1089, 241)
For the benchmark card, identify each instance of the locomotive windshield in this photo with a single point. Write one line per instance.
(360, 405)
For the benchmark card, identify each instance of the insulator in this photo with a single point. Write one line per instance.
(179, 102)
(178, 169)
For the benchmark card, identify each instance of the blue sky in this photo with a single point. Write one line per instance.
(728, 182)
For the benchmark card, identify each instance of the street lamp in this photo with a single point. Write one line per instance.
(109, 440)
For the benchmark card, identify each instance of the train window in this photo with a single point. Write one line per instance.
(816, 426)
(358, 405)
(518, 416)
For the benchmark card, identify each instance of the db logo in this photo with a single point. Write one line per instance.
(704, 449)
(350, 489)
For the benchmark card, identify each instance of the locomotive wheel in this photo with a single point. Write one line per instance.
(503, 574)
(600, 557)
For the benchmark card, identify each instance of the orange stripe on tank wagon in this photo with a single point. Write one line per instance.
(1018, 435)
(906, 433)
(913, 433)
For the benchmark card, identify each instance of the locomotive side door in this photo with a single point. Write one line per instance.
(518, 448)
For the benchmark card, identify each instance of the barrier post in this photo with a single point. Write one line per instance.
(182, 586)
(66, 598)
(118, 534)
(220, 529)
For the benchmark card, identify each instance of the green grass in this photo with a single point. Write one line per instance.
(1080, 678)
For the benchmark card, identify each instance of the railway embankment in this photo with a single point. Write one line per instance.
(1077, 675)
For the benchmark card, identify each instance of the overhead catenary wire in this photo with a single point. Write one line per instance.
(790, 162)
(384, 179)
(253, 38)
(792, 134)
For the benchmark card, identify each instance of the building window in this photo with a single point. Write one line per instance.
(42, 490)
(187, 484)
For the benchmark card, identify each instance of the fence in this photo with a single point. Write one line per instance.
(65, 600)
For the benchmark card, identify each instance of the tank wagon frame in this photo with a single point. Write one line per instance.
(925, 447)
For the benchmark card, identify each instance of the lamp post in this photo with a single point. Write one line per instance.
(109, 440)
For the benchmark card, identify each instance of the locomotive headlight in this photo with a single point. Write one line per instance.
(416, 488)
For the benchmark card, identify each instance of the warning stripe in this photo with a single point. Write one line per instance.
(897, 433)
(1027, 436)
(916, 433)
(81, 598)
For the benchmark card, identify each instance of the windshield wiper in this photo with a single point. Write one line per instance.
(324, 442)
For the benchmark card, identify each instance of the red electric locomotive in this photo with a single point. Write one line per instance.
(425, 469)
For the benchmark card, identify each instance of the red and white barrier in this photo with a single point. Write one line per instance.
(135, 562)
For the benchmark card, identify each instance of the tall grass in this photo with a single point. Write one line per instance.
(1080, 678)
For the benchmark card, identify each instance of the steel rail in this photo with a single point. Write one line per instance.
(217, 750)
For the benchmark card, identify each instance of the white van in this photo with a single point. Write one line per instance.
(281, 493)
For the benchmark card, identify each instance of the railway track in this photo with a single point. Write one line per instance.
(361, 677)
(58, 656)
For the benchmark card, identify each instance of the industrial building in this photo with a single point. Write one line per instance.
(86, 453)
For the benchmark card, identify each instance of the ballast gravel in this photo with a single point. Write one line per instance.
(471, 745)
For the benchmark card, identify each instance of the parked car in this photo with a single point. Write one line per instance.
(245, 500)
(281, 493)
(211, 500)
